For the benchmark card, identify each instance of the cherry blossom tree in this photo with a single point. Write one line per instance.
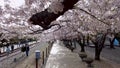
(75, 17)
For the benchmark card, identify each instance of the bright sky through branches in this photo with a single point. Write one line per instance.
(12, 3)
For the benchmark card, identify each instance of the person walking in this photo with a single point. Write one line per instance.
(12, 47)
(27, 49)
(8, 50)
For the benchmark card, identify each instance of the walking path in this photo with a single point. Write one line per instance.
(22, 61)
(61, 57)
(4, 55)
(29, 62)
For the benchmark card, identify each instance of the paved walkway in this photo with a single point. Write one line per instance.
(7, 61)
(61, 57)
(29, 62)
(22, 61)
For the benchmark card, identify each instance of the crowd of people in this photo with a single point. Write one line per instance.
(11, 48)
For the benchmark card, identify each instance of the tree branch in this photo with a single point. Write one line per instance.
(90, 15)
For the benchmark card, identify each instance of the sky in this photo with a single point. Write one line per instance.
(12, 3)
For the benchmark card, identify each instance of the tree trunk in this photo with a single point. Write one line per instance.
(88, 40)
(84, 40)
(98, 50)
(99, 46)
(82, 48)
(97, 55)
(111, 43)
(81, 45)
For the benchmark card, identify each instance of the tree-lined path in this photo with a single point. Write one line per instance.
(62, 57)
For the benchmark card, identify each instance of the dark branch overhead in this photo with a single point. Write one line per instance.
(45, 17)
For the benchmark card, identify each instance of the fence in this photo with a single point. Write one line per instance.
(40, 63)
